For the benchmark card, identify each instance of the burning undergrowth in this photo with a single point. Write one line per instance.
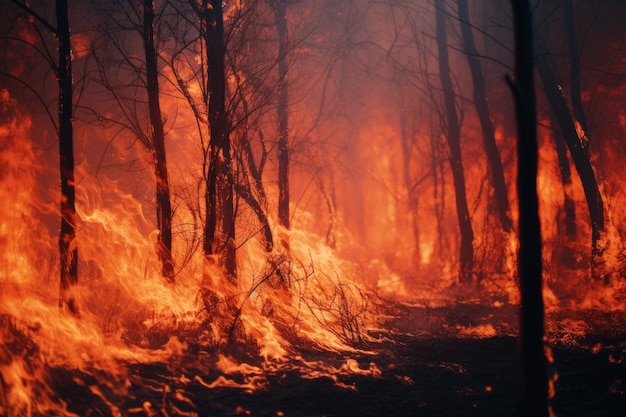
(307, 312)
(358, 291)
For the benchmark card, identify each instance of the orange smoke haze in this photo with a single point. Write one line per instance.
(373, 237)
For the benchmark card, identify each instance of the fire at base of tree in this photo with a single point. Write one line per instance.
(296, 208)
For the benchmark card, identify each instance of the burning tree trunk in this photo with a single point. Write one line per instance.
(157, 145)
(67, 245)
(579, 150)
(453, 134)
(566, 179)
(245, 191)
(486, 124)
(575, 88)
(219, 188)
(534, 395)
(280, 12)
(597, 219)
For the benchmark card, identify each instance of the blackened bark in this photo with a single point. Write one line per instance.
(219, 190)
(453, 135)
(482, 110)
(578, 149)
(575, 88)
(283, 115)
(566, 179)
(245, 192)
(534, 383)
(412, 196)
(157, 146)
(331, 203)
(579, 114)
(67, 244)
(246, 195)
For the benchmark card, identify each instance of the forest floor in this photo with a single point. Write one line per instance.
(421, 374)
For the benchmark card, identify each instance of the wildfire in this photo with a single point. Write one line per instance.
(370, 260)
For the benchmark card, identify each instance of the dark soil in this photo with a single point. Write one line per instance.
(423, 372)
(420, 377)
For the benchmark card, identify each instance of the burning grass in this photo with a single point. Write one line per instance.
(318, 329)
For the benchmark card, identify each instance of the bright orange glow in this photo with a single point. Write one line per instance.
(371, 256)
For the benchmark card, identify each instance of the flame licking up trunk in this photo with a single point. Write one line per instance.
(311, 190)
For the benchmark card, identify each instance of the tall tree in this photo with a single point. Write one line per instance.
(67, 246)
(579, 149)
(596, 209)
(411, 186)
(219, 183)
(157, 148)
(280, 12)
(68, 250)
(534, 382)
(453, 135)
(569, 207)
(574, 55)
(128, 80)
(482, 110)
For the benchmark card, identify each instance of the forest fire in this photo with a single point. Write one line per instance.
(297, 208)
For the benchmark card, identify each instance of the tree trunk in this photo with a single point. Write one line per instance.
(534, 384)
(245, 191)
(578, 149)
(283, 121)
(67, 244)
(575, 89)
(163, 204)
(566, 179)
(453, 135)
(412, 197)
(486, 124)
(219, 190)
(581, 118)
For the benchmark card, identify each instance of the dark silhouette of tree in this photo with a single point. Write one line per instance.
(163, 202)
(579, 149)
(219, 182)
(67, 247)
(534, 384)
(596, 209)
(130, 81)
(453, 136)
(569, 207)
(482, 110)
(280, 13)
(408, 142)
(241, 100)
(574, 55)
(68, 250)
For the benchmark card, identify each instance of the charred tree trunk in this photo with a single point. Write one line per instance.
(245, 191)
(157, 146)
(246, 195)
(283, 115)
(566, 179)
(67, 244)
(411, 192)
(453, 135)
(219, 189)
(482, 110)
(442, 243)
(579, 150)
(331, 204)
(534, 383)
(575, 88)
(581, 118)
